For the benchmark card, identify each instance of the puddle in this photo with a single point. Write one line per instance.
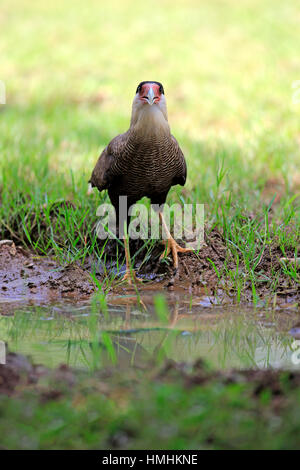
(123, 332)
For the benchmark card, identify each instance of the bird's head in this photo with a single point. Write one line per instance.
(149, 104)
(150, 92)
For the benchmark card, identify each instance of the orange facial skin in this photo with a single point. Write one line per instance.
(143, 93)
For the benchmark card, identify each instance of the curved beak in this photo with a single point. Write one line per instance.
(151, 96)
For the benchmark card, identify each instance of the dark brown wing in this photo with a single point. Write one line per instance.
(105, 170)
(181, 174)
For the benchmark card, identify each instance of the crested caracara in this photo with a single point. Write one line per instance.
(144, 161)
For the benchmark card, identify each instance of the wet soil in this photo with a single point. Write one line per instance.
(25, 275)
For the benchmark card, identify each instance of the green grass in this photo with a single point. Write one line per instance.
(153, 415)
(227, 68)
(70, 71)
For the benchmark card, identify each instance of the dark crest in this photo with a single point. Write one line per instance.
(161, 88)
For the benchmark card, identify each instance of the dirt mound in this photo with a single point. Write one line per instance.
(196, 269)
(18, 372)
(19, 375)
(204, 268)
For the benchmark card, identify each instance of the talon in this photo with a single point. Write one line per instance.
(129, 277)
(173, 246)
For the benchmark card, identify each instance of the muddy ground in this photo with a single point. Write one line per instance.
(24, 275)
(28, 276)
(19, 375)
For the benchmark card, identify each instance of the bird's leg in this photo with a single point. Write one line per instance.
(171, 244)
(130, 273)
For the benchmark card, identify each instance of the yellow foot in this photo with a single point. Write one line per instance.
(131, 276)
(172, 246)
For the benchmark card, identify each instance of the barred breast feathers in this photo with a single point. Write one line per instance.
(147, 140)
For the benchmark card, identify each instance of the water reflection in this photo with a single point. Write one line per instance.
(127, 332)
